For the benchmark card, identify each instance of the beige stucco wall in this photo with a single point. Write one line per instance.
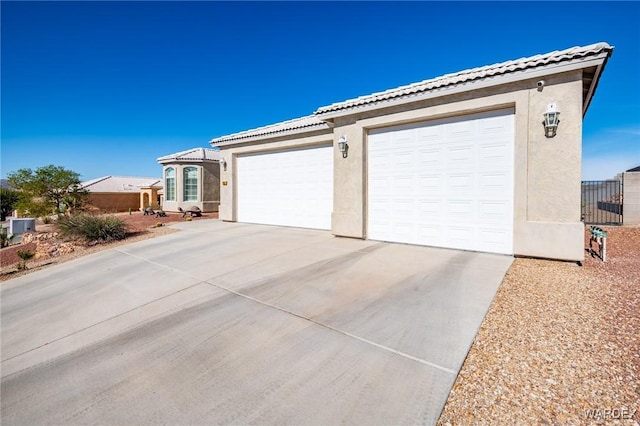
(208, 188)
(149, 197)
(547, 170)
(113, 202)
(631, 199)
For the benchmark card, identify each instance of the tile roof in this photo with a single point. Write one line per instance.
(310, 122)
(194, 154)
(471, 75)
(120, 183)
(317, 121)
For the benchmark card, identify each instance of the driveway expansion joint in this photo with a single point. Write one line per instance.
(337, 330)
(311, 320)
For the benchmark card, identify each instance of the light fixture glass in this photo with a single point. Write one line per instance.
(223, 163)
(551, 120)
(343, 146)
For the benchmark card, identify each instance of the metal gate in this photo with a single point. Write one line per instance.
(602, 202)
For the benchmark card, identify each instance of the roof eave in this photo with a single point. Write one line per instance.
(185, 160)
(540, 71)
(271, 135)
(594, 83)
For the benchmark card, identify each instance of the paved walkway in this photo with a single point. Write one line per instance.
(243, 324)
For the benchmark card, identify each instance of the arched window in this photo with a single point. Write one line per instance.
(190, 182)
(170, 184)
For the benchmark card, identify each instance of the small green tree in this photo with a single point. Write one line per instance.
(34, 207)
(49, 189)
(8, 202)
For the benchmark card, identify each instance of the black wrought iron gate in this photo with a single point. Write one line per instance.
(602, 202)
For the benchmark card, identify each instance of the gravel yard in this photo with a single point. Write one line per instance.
(558, 341)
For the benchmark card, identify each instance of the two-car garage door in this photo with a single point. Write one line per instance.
(288, 188)
(445, 183)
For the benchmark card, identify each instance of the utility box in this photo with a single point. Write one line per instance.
(21, 225)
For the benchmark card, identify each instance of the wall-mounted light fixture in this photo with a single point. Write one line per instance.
(551, 120)
(343, 146)
(223, 164)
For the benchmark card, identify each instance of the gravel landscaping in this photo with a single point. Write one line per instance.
(559, 345)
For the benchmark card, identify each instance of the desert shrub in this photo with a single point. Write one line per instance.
(25, 255)
(5, 238)
(93, 228)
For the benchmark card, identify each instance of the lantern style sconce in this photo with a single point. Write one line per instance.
(551, 120)
(343, 146)
(223, 164)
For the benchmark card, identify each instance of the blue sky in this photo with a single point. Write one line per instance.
(104, 88)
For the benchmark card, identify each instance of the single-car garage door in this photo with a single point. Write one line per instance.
(445, 183)
(289, 188)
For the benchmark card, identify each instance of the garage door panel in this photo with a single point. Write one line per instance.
(430, 208)
(461, 156)
(495, 212)
(493, 236)
(494, 125)
(380, 185)
(460, 129)
(491, 240)
(461, 237)
(431, 232)
(431, 133)
(404, 208)
(494, 154)
(288, 188)
(461, 209)
(494, 182)
(460, 184)
(460, 174)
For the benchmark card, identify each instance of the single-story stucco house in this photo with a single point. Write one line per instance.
(191, 178)
(473, 160)
(121, 193)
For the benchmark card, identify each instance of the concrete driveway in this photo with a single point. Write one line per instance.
(228, 323)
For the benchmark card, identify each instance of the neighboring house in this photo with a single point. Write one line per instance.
(191, 178)
(460, 161)
(631, 204)
(121, 193)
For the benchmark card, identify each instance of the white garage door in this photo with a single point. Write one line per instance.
(289, 188)
(445, 183)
